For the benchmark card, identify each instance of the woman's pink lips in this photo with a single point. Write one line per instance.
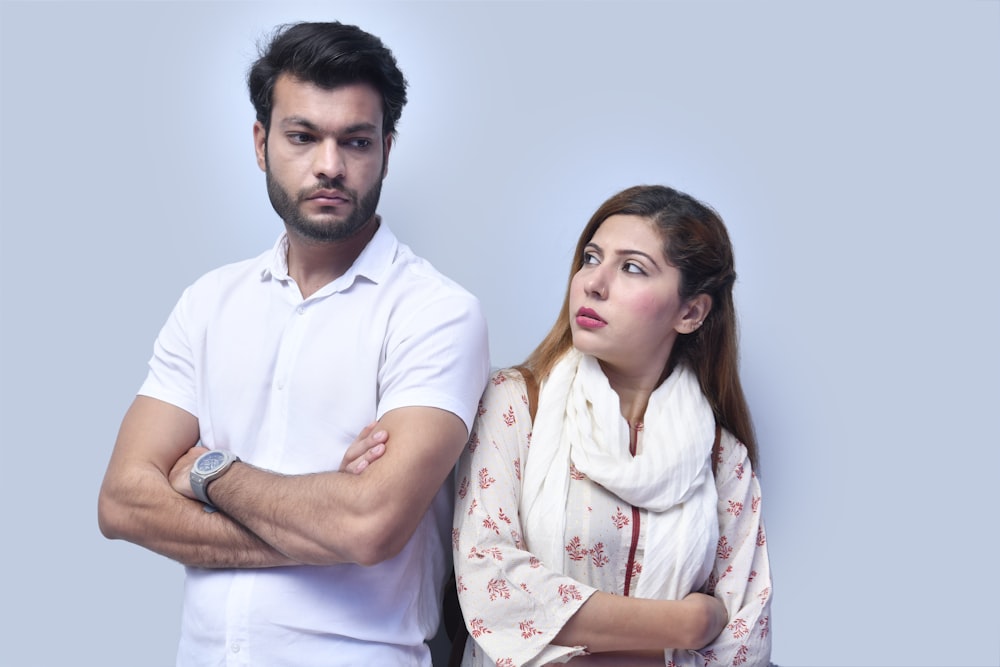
(588, 319)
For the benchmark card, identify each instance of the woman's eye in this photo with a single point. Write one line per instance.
(632, 267)
(589, 258)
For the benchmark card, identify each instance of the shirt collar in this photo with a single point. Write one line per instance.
(372, 264)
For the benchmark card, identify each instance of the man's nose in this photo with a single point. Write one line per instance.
(328, 162)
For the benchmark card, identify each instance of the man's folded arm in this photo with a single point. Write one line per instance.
(137, 502)
(336, 517)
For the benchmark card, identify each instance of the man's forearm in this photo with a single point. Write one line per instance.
(303, 517)
(147, 512)
(228, 544)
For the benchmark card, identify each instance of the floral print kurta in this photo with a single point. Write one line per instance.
(514, 605)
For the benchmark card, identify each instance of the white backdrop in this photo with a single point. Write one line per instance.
(853, 149)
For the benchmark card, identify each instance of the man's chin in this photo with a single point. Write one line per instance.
(325, 229)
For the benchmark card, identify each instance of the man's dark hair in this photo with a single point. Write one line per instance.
(327, 55)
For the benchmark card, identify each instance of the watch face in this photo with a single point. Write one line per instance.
(210, 462)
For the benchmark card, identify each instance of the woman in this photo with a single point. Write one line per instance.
(620, 525)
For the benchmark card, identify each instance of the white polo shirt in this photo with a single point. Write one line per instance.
(286, 383)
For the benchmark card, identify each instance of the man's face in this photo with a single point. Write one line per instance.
(324, 157)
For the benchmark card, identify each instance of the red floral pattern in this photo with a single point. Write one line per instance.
(724, 550)
(477, 628)
(569, 592)
(528, 629)
(576, 550)
(497, 588)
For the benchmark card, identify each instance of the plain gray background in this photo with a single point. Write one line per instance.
(853, 149)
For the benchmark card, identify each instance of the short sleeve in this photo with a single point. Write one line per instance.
(437, 355)
(171, 375)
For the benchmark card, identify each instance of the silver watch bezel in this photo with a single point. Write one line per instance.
(222, 461)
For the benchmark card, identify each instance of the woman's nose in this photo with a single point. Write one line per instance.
(596, 284)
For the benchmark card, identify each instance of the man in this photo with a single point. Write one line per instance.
(275, 364)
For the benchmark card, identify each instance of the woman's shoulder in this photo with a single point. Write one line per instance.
(515, 380)
(507, 380)
(506, 386)
(732, 457)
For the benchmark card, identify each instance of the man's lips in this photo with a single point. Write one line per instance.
(329, 197)
(589, 319)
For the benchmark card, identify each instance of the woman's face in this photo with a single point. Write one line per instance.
(624, 303)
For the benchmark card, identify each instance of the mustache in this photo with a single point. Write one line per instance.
(328, 185)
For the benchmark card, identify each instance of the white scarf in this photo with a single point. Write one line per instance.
(579, 421)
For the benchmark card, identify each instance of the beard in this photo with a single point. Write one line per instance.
(322, 231)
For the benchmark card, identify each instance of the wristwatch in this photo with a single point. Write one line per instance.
(210, 466)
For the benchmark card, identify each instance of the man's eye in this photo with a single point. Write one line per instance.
(299, 138)
(359, 143)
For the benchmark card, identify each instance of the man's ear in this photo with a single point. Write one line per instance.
(385, 156)
(260, 144)
(697, 309)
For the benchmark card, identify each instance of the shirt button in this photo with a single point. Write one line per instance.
(235, 648)
(301, 310)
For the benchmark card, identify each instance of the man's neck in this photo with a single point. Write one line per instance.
(315, 264)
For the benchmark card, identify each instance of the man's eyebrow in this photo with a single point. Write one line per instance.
(361, 127)
(299, 121)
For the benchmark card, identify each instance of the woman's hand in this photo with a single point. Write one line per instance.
(367, 448)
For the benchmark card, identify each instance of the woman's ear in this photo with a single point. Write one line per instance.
(696, 310)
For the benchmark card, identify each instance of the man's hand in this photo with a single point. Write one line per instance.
(368, 447)
(180, 473)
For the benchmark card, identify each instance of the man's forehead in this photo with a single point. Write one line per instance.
(353, 104)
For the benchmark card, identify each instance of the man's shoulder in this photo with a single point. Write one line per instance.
(232, 274)
(401, 273)
(415, 271)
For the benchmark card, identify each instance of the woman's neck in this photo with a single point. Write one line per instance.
(633, 393)
(634, 387)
